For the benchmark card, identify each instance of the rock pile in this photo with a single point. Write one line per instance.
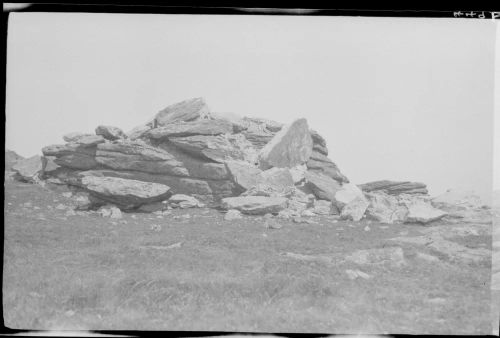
(188, 156)
(247, 164)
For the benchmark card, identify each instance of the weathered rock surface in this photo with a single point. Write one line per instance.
(319, 143)
(420, 211)
(322, 186)
(347, 193)
(385, 208)
(110, 133)
(29, 169)
(49, 167)
(152, 207)
(322, 207)
(320, 163)
(456, 202)
(268, 125)
(110, 211)
(298, 173)
(355, 209)
(215, 148)
(140, 131)
(255, 205)
(201, 127)
(133, 155)
(395, 187)
(237, 122)
(259, 131)
(244, 175)
(72, 137)
(126, 194)
(291, 146)
(184, 111)
(279, 178)
(298, 201)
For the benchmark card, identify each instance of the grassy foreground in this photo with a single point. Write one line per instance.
(143, 272)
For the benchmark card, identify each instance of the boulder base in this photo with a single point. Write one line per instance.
(125, 193)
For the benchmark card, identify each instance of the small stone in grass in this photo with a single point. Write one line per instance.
(354, 274)
(232, 214)
(272, 224)
(367, 228)
(156, 227)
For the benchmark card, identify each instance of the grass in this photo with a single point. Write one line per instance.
(86, 272)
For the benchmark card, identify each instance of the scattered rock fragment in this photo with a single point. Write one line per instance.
(232, 214)
(110, 211)
(393, 256)
(354, 274)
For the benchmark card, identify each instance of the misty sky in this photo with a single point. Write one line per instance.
(400, 99)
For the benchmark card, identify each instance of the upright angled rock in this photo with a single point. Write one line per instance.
(290, 147)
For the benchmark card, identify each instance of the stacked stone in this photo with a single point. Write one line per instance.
(196, 152)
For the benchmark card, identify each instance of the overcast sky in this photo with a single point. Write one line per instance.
(400, 99)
